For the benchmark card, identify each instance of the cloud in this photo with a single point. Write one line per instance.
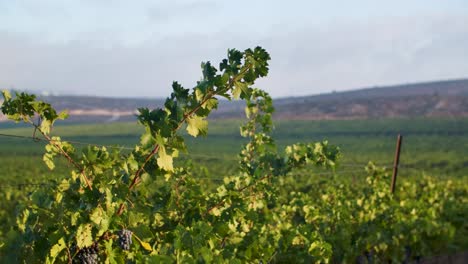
(353, 55)
(114, 70)
(179, 10)
(309, 60)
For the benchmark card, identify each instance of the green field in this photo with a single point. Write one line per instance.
(433, 147)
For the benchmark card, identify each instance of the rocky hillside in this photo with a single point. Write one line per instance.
(432, 99)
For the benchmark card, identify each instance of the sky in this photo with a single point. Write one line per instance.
(137, 48)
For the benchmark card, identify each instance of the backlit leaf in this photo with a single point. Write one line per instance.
(197, 125)
(84, 237)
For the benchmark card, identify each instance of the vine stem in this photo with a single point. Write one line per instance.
(69, 256)
(65, 154)
(184, 119)
(154, 151)
(138, 172)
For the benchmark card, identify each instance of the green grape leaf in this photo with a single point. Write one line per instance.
(56, 249)
(6, 95)
(197, 125)
(48, 159)
(110, 253)
(63, 115)
(99, 217)
(46, 126)
(209, 71)
(199, 95)
(74, 218)
(164, 160)
(236, 92)
(207, 254)
(210, 104)
(146, 138)
(132, 163)
(144, 244)
(179, 92)
(22, 219)
(215, 211)
(84, 237)
(239, 88)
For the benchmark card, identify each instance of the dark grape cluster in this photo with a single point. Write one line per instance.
(88, 255)
(125, 239)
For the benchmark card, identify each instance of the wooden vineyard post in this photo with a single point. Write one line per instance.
(396, 162)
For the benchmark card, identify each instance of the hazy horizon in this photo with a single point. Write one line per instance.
(50, 93)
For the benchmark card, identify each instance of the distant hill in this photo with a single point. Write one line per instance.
(429, 99)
